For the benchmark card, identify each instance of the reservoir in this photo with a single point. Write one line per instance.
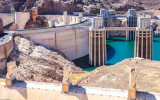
(118, 49)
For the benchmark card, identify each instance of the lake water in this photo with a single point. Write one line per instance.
(118, 49)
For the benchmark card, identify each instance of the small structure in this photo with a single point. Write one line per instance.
(111, 12)
(104, 13)
(132, 85)
(131, 22)
(34, 13)
(51, 23)
(97, 42)
(67, 79)
(79, 18)
(65, 18)
(151, 13)
(143, 38)
(11, 73)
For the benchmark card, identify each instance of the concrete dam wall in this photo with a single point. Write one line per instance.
(61, 20)
(21, 18)
(73, 41)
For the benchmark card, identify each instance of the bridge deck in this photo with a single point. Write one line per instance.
(120, 28)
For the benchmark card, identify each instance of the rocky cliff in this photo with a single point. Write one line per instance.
(93, 6)
(38, 63)
(44, 6)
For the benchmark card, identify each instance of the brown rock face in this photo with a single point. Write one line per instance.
(59, 6)
(3, 67)
(5, 5)
(37, 63)
(44, 6)
(1, 26)
(40, 22)
(50, 7)
(93, 6)
(128, 6)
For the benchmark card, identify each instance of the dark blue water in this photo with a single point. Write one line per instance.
(118, 49)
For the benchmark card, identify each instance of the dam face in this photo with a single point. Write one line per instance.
(72, 41)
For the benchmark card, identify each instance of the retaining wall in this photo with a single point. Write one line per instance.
(44, 91)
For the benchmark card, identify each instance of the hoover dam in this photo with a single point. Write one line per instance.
(88, 41)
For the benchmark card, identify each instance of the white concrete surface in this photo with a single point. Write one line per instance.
(61, 20)
(72, 41)
(21, 18)
(48, 91)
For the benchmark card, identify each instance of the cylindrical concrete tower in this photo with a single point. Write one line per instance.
(34, 13)
(1, 26)
(143, 38)
(97, 42)
(131, 22)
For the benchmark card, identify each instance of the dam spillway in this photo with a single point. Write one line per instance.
(118, 49)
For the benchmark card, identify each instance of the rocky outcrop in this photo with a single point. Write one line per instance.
(93, 6)
(2, 67)
(5, 5)
(44, 6)
(129, 6)
(38, 63)
(50, 7)
(117, 76)
(40, 22)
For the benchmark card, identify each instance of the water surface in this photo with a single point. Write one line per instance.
(118, 49)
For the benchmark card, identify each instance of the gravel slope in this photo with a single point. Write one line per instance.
(117, 76)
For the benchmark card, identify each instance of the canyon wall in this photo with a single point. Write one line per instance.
(93, 6)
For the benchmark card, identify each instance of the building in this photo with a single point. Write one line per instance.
(104, 12)
(97, 42)
(143, 38)
(131, 22)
